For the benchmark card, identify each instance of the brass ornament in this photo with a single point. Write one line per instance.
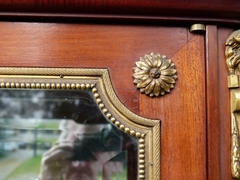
(197, 28)
(154, 74)
(232, 53)
(235, 153)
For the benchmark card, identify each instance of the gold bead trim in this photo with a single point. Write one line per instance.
(46, 85)
(141, 156)
(141, 149)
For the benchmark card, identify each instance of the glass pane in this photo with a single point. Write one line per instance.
(61, 135)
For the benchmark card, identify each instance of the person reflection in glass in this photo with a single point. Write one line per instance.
(82, 152)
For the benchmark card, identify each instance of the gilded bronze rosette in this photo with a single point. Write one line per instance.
(154, 74)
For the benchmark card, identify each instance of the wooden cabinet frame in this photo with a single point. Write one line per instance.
(220, 18)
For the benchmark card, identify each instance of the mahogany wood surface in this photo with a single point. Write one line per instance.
(224, 107)
(175, 13)
(218, 110)
(196, 8)
(183, 116)
(85, 45)
(118, 47)
(212, 82)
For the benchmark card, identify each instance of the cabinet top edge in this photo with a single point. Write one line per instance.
(216, 11)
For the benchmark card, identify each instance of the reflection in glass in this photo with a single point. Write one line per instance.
(61, 135)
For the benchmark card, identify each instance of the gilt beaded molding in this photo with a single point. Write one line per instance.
(98, 81)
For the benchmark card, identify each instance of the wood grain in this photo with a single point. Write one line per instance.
(84, 45)
(186, 113)
(224, 107)
(212, 82)
(183, 116)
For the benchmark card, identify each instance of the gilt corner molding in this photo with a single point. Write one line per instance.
(147, 131)
(232, 53)
(154, 75)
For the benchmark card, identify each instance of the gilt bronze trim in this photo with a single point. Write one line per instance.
(233, 63)
(98, 81)
(154, 74)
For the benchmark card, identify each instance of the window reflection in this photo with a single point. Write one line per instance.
(61, 135)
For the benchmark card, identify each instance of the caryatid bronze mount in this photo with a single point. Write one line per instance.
(233, 63)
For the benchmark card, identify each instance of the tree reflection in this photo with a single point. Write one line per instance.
(31, 119)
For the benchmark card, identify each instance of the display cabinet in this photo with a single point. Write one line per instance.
(159, 68)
